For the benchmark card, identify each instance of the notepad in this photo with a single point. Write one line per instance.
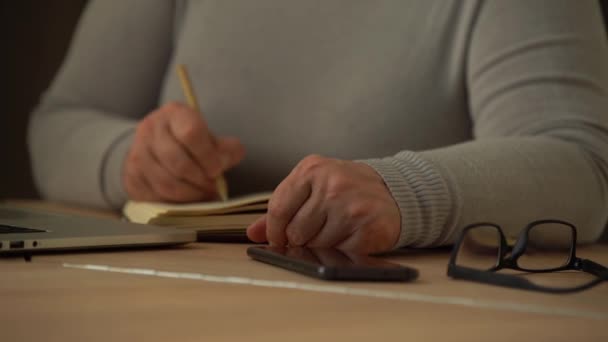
(210, 219)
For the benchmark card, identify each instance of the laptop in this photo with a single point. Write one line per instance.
(29, 231)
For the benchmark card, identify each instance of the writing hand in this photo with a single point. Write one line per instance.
(174, 157)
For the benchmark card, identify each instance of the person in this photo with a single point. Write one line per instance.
(379, 124)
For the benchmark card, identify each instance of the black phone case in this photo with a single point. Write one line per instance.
(351, 273)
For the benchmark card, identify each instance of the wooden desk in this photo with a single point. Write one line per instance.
(214, 292)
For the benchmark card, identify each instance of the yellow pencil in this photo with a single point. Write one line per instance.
(220, 182)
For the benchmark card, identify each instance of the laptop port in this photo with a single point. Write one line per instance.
(17, 244)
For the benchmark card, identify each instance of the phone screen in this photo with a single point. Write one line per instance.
(332, 264)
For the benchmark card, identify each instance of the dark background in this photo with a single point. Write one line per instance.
(36, 34)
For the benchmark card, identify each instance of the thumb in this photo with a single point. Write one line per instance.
(256, 232)
(231, 152)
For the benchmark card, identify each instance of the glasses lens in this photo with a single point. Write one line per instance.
(549, 246)
(480, 248)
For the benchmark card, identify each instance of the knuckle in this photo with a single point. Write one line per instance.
(189, 134)
(313, 158)
(276, 210)
(311, 163)
(337, 184)
(357, 210)
(294, 236)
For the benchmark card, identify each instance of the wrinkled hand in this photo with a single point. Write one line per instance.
(330, 203)
(175, 158)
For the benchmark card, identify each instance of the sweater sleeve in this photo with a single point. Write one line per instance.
(537, 77)
(80, 132)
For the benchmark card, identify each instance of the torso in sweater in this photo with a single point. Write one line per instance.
(343, 79)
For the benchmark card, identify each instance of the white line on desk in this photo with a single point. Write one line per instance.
(396, 295)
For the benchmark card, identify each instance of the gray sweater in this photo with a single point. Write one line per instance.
(470, 110)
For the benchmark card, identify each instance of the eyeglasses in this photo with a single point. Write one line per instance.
(543, 246)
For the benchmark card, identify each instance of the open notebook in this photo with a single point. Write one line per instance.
(217, 221)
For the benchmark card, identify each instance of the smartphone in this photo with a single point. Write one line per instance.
(332, 264)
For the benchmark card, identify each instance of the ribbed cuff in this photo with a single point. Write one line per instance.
(111, 175)
(421, 194)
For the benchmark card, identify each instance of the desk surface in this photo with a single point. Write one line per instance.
(214, 292)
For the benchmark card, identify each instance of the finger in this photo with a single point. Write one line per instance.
(332, 233)
(331, 256)
(137, 162)
(284, 204)
(192, 133)
(168, 187)
(303, 253)
(356, 243)
(307, 222)
(230, 151)
(345, 217)
(173, 157)
(137, 187)
(256, 232)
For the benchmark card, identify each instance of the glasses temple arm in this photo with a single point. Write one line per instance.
(489, 277)
(593, 268)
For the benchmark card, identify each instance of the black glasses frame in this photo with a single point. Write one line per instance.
(508, 259)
